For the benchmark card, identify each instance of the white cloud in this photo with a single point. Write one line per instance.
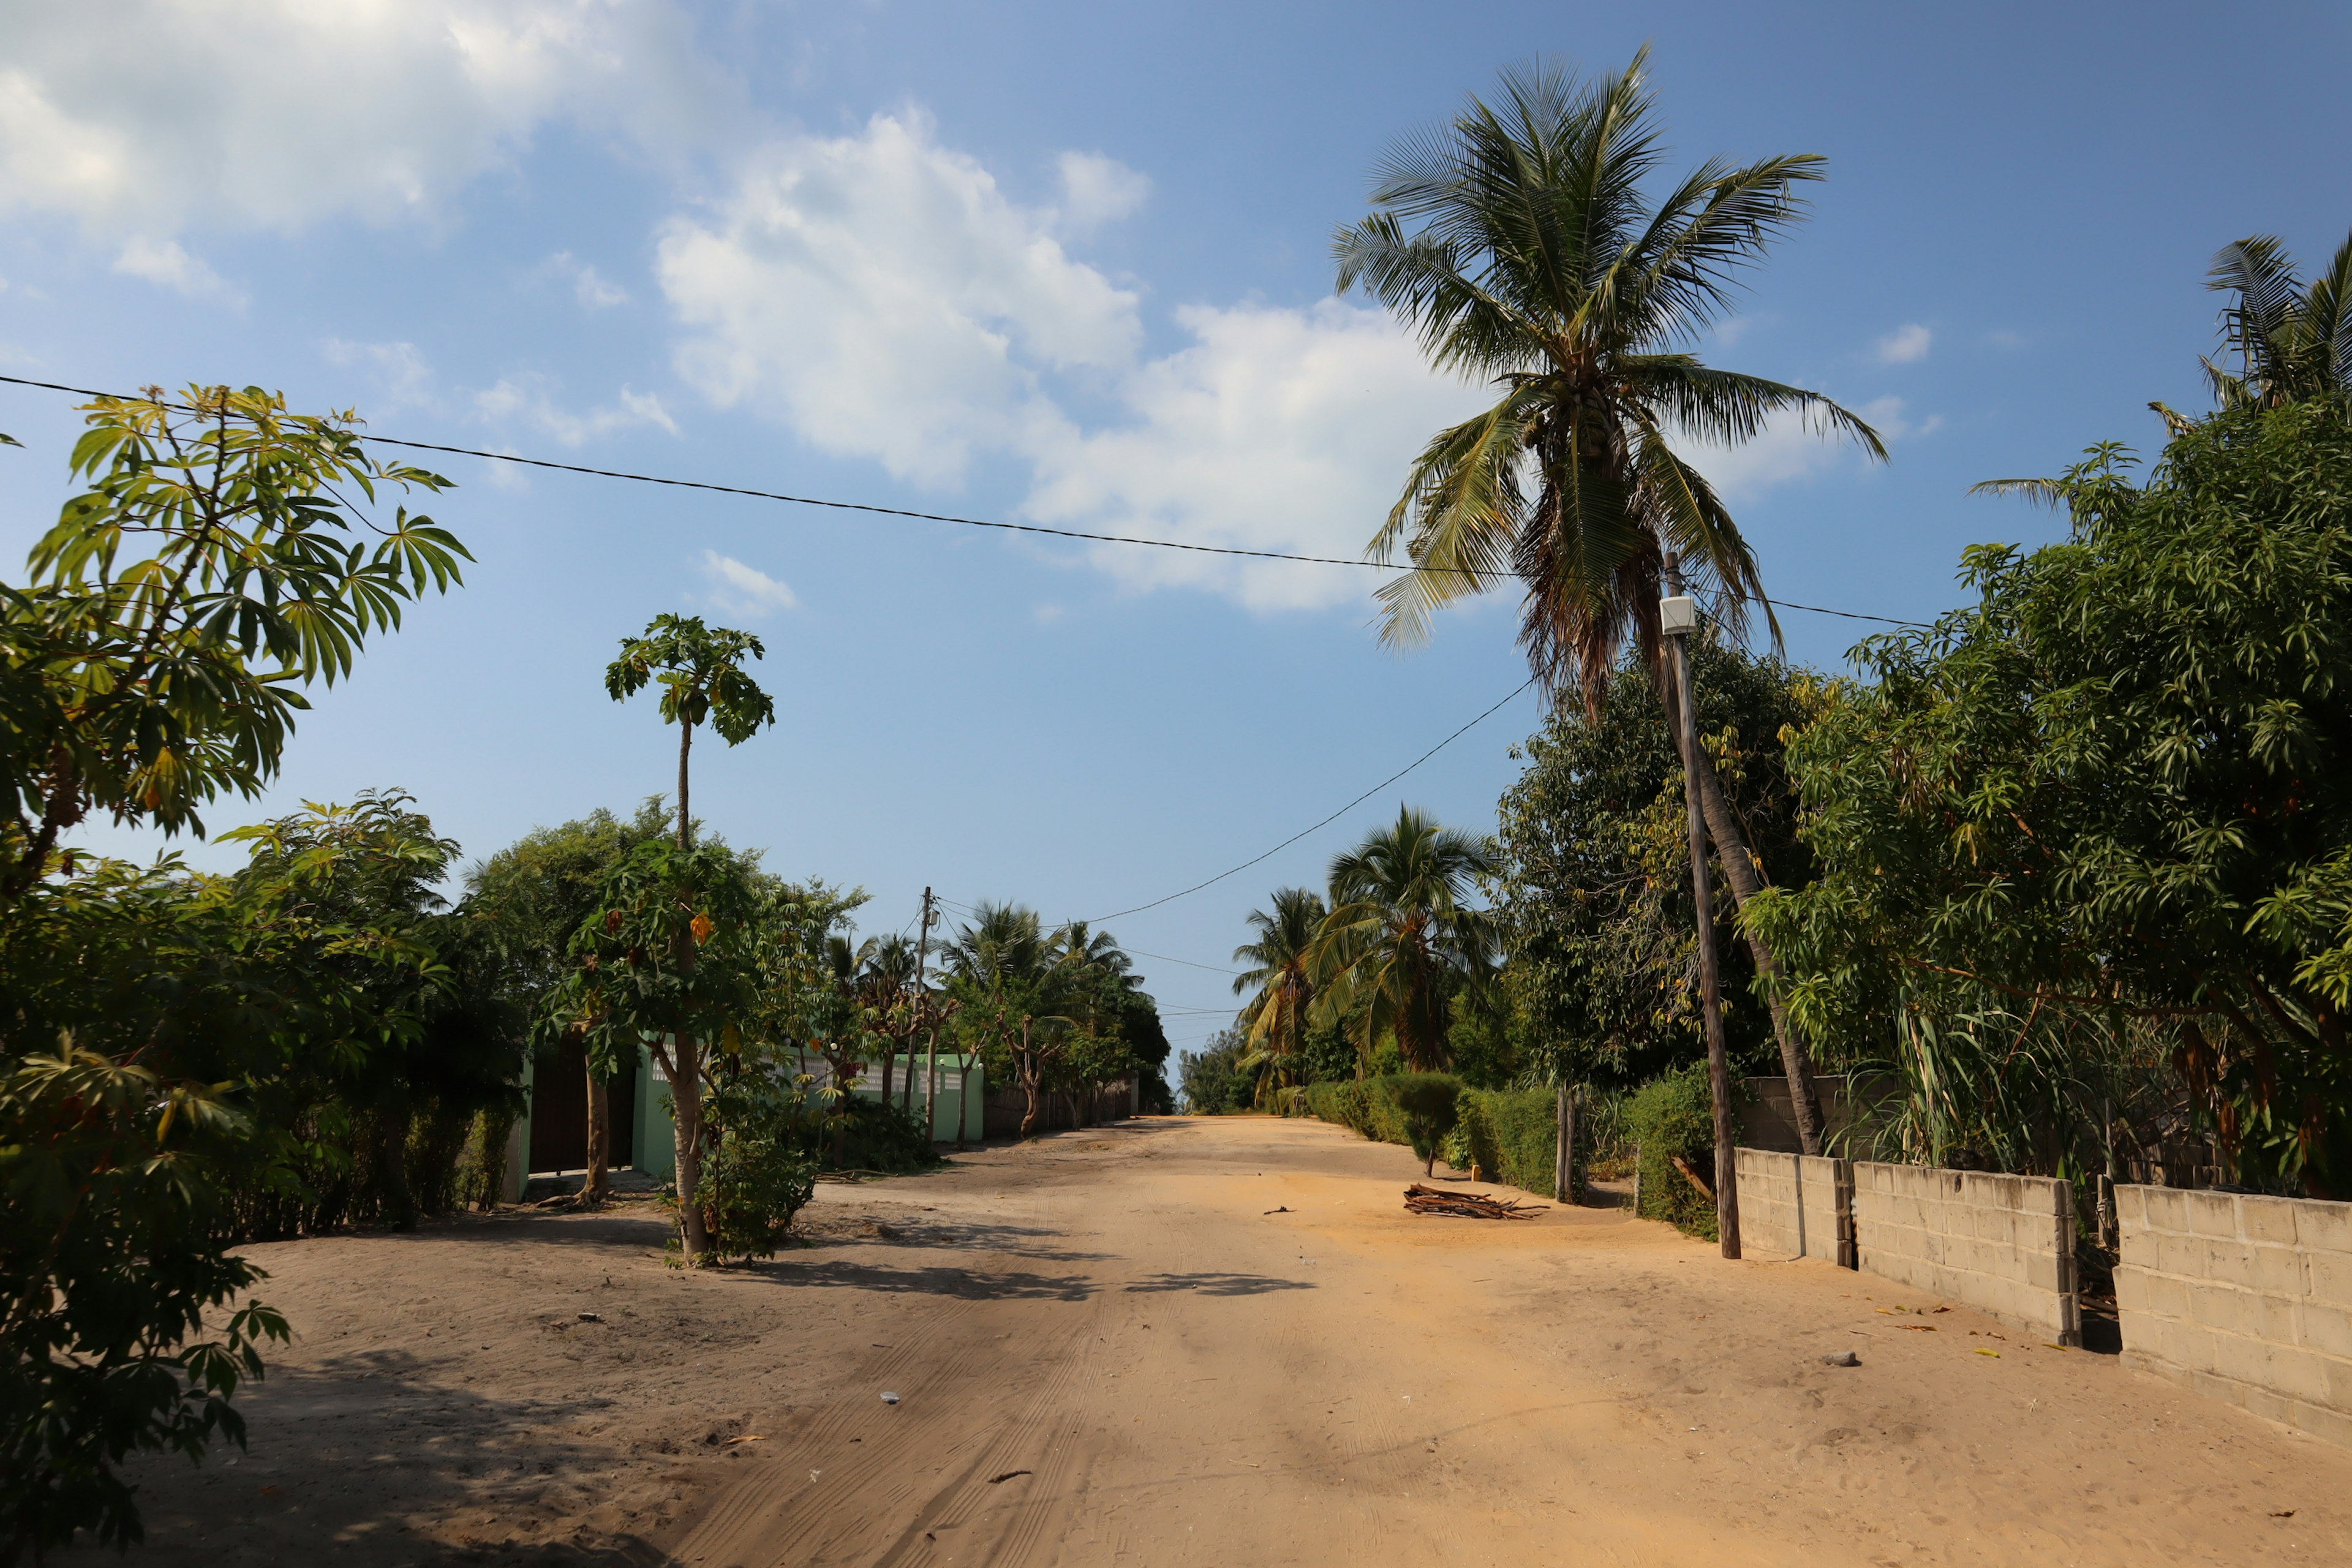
(402, 378)
(1096, 190)
(1905, 345)
(590, 288)
(739, 590)
(527, 399)
(2003, 338)
(881, 296)
(164, 263)
(272, 113)
(1277, 429)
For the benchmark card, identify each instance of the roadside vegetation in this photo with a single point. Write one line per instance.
(2061, 884)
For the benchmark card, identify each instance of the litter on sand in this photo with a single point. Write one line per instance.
(889, 1399)
(1466, 1206)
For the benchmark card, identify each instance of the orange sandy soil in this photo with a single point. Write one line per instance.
(1110, 1353)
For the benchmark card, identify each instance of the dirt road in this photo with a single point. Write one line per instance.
(1108, 1351)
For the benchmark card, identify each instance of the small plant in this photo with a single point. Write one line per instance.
(754, 1178)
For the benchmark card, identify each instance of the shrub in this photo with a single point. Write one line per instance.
(757, 1174)
(1427, 1104)
(1512, 1136)
(112, 1252)
(883, 1137)
(1672, 1118)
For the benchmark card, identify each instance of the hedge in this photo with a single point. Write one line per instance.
(1503, 1135)
(1675, 1115)
(1512, 1136)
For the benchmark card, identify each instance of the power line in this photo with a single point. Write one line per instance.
(1211, 968)
(1326, 822)
(1082, 534)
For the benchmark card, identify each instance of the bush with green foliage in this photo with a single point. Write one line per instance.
(1594, 894)
(1211, 1080)
(2117, 789)
(1673, 1118)
(110, 1258)
(756, 1174)
(1427, 1104)
(1512, 1136)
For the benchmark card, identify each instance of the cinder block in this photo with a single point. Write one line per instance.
(2275, 1319)
(2331, 1423)
(2267, 1219)
(2221, 1308)
(2339, 1384)
(2278, 1270)
(2328, 1275)
(2185, 1344)
(2212, 1214)
(2297, 1373)
(2131, 1207)
(2167, 1209)
(2322, 1226)
(2314, 1326)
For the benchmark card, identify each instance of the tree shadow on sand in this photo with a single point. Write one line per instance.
(966, 1284)
(344, 1453)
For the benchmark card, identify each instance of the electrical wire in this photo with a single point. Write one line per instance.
(869, 508)
(1105, 919)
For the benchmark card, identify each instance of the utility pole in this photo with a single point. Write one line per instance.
(922, 1000)
(1678, 618)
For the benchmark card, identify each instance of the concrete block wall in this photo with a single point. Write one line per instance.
(1796, 1206)
(2004, 1244)
(2246, 1298)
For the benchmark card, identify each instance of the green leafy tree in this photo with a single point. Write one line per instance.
(671, 960)
(523, 905)
(701, 671)
(1593, 893)
(1005, 976)
(1280, 985)
(2115, 790)
(217, 561)
(1401, 937)
(1521, 244)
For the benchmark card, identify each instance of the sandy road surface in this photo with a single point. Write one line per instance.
(1107, 1352)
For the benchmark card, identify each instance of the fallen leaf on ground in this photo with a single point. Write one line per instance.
(995, 1480)
(1981, 1351)
(753, 1438)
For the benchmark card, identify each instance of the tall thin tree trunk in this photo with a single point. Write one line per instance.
(1739, 870)
(684, 822)
(1718, 1066)
(600, 1138)
(684, 1070)
(1027, 1068)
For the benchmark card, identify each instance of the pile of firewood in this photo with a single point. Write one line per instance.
(1466, 1206)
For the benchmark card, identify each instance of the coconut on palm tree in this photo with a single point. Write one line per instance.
(1522, 243)
(1280, 986)
(1401, 938)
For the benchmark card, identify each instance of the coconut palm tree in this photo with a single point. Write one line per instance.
(885, 984)
(1521, 245)
(1274, 1017)
(1008, 973)
(2293, 341)
(1401, 937)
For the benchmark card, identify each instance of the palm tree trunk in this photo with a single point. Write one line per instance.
(1739, 870)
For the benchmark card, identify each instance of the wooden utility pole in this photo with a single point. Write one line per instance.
(923, 1001)
(1564, 1153)
(1678, 618)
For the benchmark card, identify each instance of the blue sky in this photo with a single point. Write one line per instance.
(1065, 264)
